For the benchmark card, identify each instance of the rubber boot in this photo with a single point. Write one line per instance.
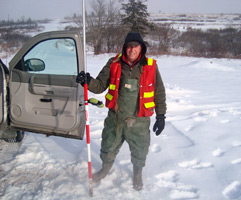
(96, 177)
(137, 178)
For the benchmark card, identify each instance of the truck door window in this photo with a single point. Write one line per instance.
(57, 55)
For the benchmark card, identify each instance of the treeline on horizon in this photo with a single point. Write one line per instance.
(162, 39)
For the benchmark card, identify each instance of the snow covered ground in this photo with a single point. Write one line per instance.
(197, 20)
(198, 155)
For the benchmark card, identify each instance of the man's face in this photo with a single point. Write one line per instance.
(132, 52)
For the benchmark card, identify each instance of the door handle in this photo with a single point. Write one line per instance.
(46, 100)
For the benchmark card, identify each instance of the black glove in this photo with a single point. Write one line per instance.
(82, 76)
(159, 124)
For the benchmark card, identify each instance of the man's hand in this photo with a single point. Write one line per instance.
(82, 76)
(159, 124)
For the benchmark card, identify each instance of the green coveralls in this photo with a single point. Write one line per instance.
(125, 126)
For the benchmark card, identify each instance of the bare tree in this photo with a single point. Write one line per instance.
(164, 35)
(113, 36)
(96, 24)
(102, 23)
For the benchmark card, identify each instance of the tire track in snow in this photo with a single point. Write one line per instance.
(188, 139)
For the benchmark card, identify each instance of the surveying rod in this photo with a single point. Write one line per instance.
(86, 106)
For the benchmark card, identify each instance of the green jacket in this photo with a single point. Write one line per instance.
(101, 83)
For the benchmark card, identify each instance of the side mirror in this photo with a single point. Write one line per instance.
(34, 65)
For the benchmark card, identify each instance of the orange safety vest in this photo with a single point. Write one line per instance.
(147, 87)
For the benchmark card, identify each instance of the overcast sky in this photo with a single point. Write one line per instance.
(53, 9)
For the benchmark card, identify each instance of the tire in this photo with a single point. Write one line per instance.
(17, 139)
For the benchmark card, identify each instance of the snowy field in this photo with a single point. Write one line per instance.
(197, 20)
(198, 155)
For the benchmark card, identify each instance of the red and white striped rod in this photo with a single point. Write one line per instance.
(88, 140)
(87, 107)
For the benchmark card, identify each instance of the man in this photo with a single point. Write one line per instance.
(135, 91)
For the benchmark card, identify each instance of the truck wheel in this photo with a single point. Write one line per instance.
(17, 139)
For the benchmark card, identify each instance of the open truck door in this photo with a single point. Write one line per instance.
(3, 98)
(43, 94)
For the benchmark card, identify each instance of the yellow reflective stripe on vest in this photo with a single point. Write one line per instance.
(109, 96)
(148, 94)
(150, 105)
(112, 87)
(150, 61)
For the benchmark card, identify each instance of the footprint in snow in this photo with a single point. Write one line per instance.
(225, 121)
(236, 143)
(189, 128)
(218, 152)
(209, 113)
(170, 176)
(200, 119)
(205, 115)
(169, 180)
(195, 164)
(155, 148)
(233, 191)
(236, 162)
(125, 162)
(180, 194)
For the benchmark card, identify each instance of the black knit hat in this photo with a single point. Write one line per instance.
(134, 36)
